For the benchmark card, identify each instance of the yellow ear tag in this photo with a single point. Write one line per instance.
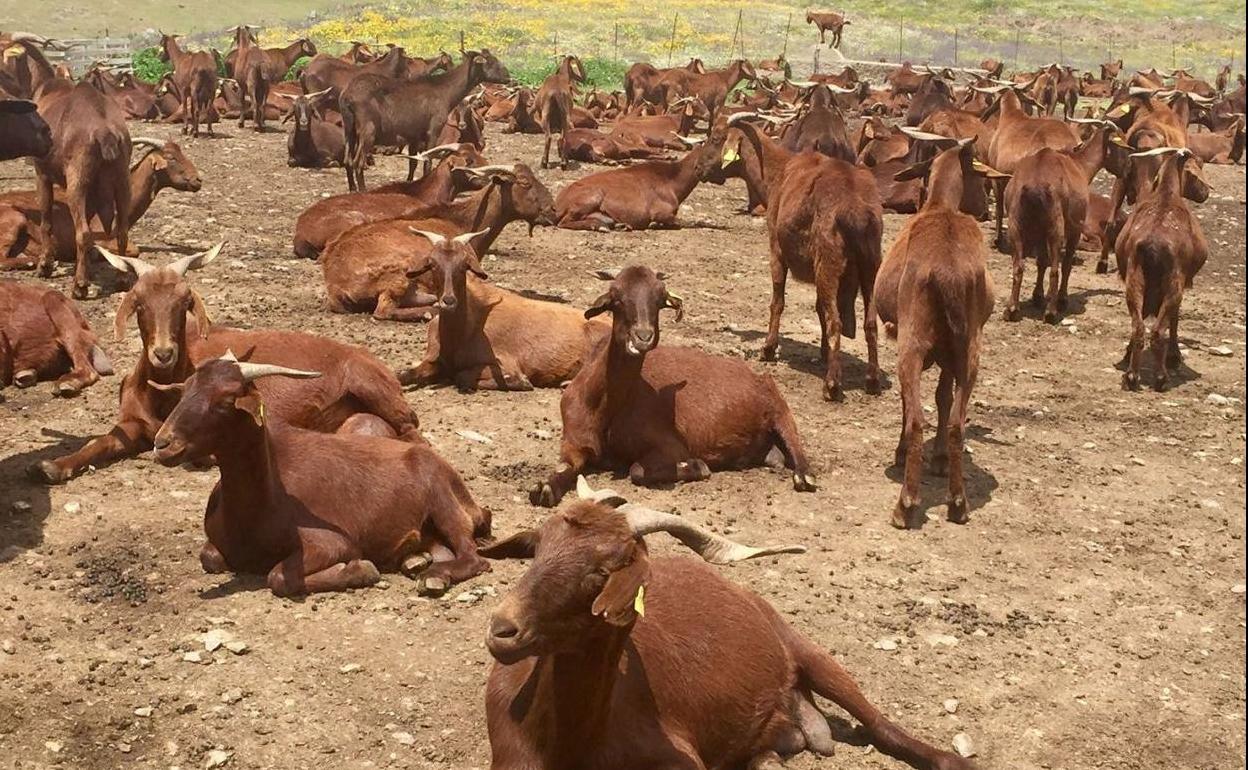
(1118, 140)
(730, 155)
(639, 601)
(260, 415)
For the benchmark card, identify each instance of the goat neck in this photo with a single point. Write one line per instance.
(1091, 155)
(247, 469)
(767, 167)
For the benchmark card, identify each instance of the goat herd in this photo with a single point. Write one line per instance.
(820, 159)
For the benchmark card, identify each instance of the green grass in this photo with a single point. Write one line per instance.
(604, 74)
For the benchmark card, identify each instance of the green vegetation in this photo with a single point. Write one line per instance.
(147, 65)
(605, 74)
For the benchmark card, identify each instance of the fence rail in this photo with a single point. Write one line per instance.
(83, 52)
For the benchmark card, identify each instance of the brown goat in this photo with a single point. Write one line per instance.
(160, 165)
(593, 146)
(1219, 147)
(1047, 200)
(369, 266)
(313, 141)
(934, 294)
(90, 159)
(554, 104)
(635, 198)
(821, 127)
(667, 414)
(195, 77)
(325, 71)
(608, 659)
(825, 225)
(487, 337)
(1160, 250)
(328, 218)
(255, 74)
(354, 380)
(43, 336)
(828, 21)
(645, 83)
(386, 505)
(710, 88)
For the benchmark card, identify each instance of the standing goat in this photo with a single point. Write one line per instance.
(828, 21)
(608, 658)
(667, 414)
(554, 105)
(1160, 250)
(934, 295)
(386, 506)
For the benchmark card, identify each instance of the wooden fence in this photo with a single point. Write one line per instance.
(113, 51)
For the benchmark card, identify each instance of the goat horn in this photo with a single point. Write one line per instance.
(253, 372)
(1138, 91)
(838, 90)
(195, 261)
(713, 548)
(737, 117)
(483, 170)
(606, 496)
(319, 94)
(148, 141)
(466, 238)
(609, 274)
(125, 264)
(802, 83)
(30, 37)
(285, 95)
(1159, 151)
(435, 239)
(922, 136)
(1090, 121)
(687, 140)
(441, 151)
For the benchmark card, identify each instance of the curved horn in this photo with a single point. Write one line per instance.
(252, 371)
(125, 264)
(737, 117)
(1159, 151)
(441, 151)
(484, 170)
(195, 261)
(319, 94)
(1090, 121)
(605, 496)
(1139, 91)
(435, 239)
(466, 238)
(921, 136)
(147, 141)
(607, 274)
(687, 141)
(713, 548)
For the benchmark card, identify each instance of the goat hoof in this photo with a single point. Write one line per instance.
(1174, 359)
(1011, 314)
(939, 466)
(957, 511)
(803, 482)
(901, 517)
(432, 586)
(415, 564)
(47, 472)
(66, 389)
(873, 386)
(1051, 318)
(1102, 268)
(833, 392)
(543, 495)
(769, 353)
(25, 378)
(81, 291)
(1160, 384)
(1130, 381)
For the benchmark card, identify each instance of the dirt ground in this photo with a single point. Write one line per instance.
(1091, 615)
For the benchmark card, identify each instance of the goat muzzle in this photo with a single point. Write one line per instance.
(506, 640)
(163, 357)
(641, 341)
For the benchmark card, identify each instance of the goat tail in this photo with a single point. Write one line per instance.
(785, 432)
(1156, 262)
(822, 674)
(350, 134)
(110, 143)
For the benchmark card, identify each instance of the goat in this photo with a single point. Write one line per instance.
(90, 158)
(254, 71)
(161, 298)
(687, 413)
(43, 336)
(637, 197)
(521, 119)
(645, 83)
(993, 68)
(161, 165)
(710, 88)
(137, 100)
(326, 71)
(934, 294)
(387, 504)
(825, 224)
(23, 132)
(313, 141)
(369, 266)
(605, 658)
(1047, 199)
(485, 337)
(1160, 249)
(419, 67)
(280, 59)
(828, 21)
(195, 76)
(377, 109)
(821, 127)
(932, 94)
(666, 131)
(592, 146)
(329, 217)
(1221, 147)
(1111, 70)
(554, 104)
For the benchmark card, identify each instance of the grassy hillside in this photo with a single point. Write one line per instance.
(1196, 33)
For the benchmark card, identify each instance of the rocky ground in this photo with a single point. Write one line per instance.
(1091, 615)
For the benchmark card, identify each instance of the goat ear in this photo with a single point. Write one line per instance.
(915, 171)
(201, 314)
(618, 603)
(521, 545)
(601, 305)
(252, 405)
(159, 162)
(675, 302)
(124, 311)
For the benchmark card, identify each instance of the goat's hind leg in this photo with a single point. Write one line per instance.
(666, 465)
(322, 562)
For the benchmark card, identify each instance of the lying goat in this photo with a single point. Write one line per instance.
(487, 337)
(607, 658)
(386, 505)
(43, 336)
(667, 414)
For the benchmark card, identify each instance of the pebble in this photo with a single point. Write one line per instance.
(215, 758)
(20, 506)
(193, 657)
(53, 746)
(1221, 351)
(215, 638)
(942, 640)
(951, 706)
(963, 745)
(143, 711)
(231, 697)
(887, 645)
(8, 647)
(406, 739)
(1217, 399)
(472, 435)
(1238, 588)
(73, 508)
(238, 648)
(350, 668)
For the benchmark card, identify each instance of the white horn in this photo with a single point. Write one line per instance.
(713, 548)
(125, 264)
(436, 239)
(252, 371)
(196, 261)
(922, 136)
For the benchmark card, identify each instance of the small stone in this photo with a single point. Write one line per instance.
(942, 640)
(951, 705)
(215, 638)
(1221, 351)
(1137, 461)
(238, 648)
(73, 508)
(193, 657)
(1238, 588)
(350, 668)
(53, 746)
(472, 435)
(215, 758)
(887, 645)
(20, 506)
(963, 745)
(143, 711)
(406, 739)
(231, 697)
(8, 647)
(467, 597)
(123, 747)
(1217, 399)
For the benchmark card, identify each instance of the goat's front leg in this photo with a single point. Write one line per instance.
(322, 562)
(575, 456)
(668, 464)
(497, 376)
(126, 439)
(779, 274)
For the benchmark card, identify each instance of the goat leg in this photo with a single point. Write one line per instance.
(944, 402)
(909, 369)
(126, 439)
(779, 275)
